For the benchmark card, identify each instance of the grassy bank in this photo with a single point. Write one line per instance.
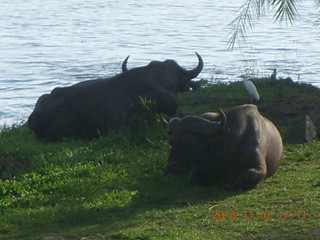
(113, 187)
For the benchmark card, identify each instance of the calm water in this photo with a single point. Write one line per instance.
(50, 43)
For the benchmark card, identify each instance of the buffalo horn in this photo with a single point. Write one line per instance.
(223, 119)
(195, 72)
(203, 126)
(198, 125)
(124, 64)
(173, 126)
(164, 122)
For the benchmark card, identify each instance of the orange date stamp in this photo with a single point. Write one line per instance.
(259, 215)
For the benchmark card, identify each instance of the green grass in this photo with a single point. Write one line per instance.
(113, 187)
(224, 95)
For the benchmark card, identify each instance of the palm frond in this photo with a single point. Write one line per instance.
(286, 10)
(260, 7)
(252, 10)
(248, 13)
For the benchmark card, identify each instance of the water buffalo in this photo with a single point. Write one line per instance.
(165, 74)
(238, 147)
(90, 108)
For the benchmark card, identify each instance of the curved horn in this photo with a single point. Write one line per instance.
(124, 64)
(173, 126)
(211, 116)
(195, 72)
(164, 122)
(223, 119)
(199, 125)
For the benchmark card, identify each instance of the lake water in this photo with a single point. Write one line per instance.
(50, 43)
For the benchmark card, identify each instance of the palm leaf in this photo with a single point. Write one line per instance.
(286, 10)
(248, 13)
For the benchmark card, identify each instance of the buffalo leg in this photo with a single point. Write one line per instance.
(256, 170)
(250, 178)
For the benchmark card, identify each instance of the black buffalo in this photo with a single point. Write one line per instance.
(91, 108)
(238, 147)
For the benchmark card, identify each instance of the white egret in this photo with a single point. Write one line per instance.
(251, 88)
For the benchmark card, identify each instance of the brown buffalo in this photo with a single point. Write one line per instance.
(238, 147)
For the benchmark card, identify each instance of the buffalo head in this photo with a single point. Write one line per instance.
(189, 138)
(170, 75)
